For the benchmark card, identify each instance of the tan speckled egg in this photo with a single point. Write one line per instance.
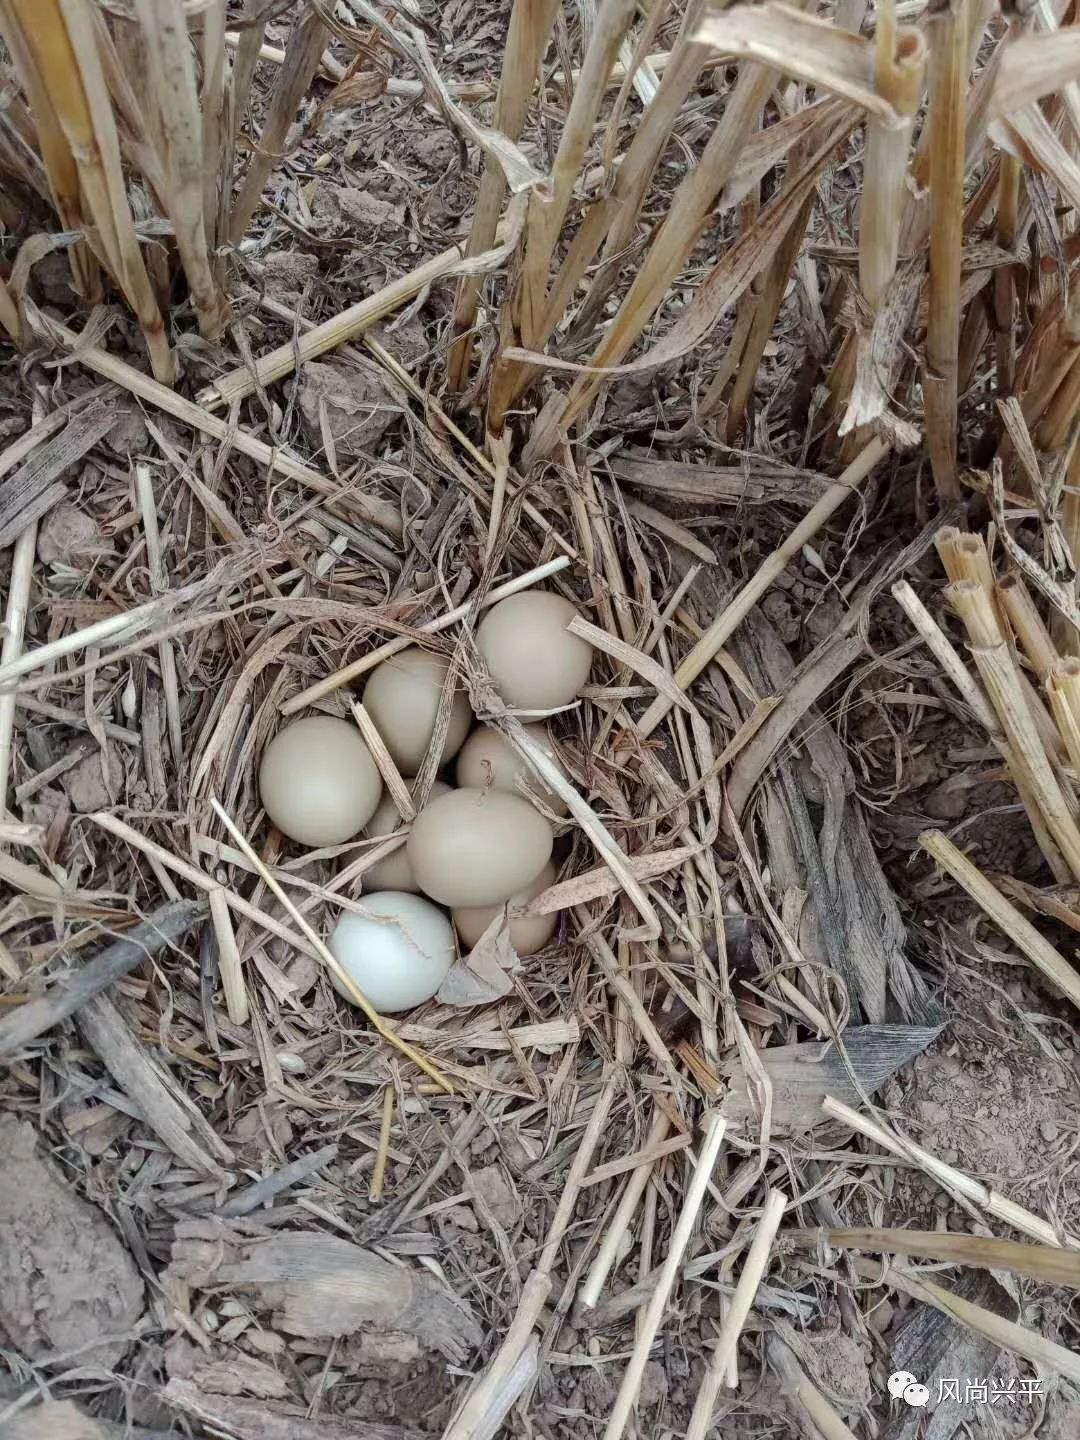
(318, 782)
(402, 697)
(488, 758)
(395, 872)
(528, 933)
(535, 662)
(478, 847)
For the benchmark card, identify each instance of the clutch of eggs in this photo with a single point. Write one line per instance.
(474, 849)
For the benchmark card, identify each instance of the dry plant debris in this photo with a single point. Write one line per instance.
(752, 331)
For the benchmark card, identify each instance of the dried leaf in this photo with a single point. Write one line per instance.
(802, 1075)
(484, 974)
(806, 47)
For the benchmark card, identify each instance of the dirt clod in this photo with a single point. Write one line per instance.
(65, 1278)
(86, 787)
(55, 1420)
(352, 402)
(68, 534)
(502, 1200)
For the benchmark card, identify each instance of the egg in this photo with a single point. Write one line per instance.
(397, 954)
(402, 697)
(478, 847)
(488, 758)
(395, 872)
(535, 662)
(318, 782)
(528, 933)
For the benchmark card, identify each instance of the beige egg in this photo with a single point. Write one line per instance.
(534, 661)
(478, 847)
(528, 933)
(395, 872)
(318, 782)
(402, 697)
(488, 758)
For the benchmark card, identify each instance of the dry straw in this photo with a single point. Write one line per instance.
(1004, 914)
(947, 41)
(675, 219)
(741, 1303)
(713, 1138)
(22, 571)
(56, 51)
(1032, 766)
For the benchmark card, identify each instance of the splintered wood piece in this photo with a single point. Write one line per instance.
(68, 993)
(153, 1093)
(32, 490)
(258, 1420)
(757, 481)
